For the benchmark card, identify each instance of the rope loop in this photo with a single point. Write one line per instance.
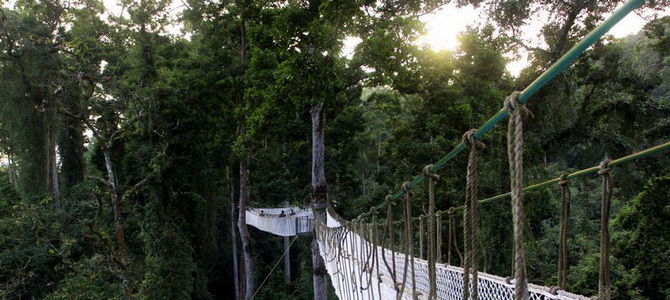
(604, 167)
(405, 188)
(389, 200)
(471, 142)
(511, 102)
(516, 113)
(429, 174)
(563, 236)
(604, 281)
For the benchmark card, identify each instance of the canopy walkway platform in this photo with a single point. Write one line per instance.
(288, 221)
(359, 269)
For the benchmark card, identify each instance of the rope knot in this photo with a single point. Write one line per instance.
(554, 289)
(451, 210)
(511, 102)
(429, 174)
(471, 142)
(389, 200)
(405, 188)
(563, 180)
(604, 167)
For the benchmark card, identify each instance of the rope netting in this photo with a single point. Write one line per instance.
(354, 260)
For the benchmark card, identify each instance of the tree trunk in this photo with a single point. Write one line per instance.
(245, 197)
(118, 226)
(318, 198)
(233, 237)
(13, 177)
(53, 166)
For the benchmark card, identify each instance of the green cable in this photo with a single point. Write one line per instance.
(591, 170)
(648, 152)
(565, 61)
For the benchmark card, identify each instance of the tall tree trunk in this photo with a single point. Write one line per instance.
(245, 197)
(233, 236)
(118, 226)
(245, 194)
(53, 164)
(13, 177)
(71, 148)
(318, 198)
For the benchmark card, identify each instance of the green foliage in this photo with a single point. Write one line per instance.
(168, 111)
(640, 243)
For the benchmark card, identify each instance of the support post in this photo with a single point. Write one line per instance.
(287, 255)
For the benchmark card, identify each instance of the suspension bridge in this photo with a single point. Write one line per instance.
(377, 257)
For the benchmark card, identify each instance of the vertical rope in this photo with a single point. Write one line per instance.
(438, 217)
(432, 179)
(515, 156)
(563, 242)
(375, 233)
(421, 236)
(409, 232)
(389, 230)
(450, 238)
(365, 252)
(471, 219)
(604, 283)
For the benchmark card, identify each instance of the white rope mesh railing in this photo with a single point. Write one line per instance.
(357, 275)
(288, 221)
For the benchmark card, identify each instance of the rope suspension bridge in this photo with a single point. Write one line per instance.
(371, 257)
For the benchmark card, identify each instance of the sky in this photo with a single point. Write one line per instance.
(444, 25)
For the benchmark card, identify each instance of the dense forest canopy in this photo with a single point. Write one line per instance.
(129, 151)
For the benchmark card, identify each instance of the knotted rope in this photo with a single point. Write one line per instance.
(421, 234)
(366, 251)
(563, 242)
(438, 218)
(516, 111)
(432, 179)
(375, 240)
(388, 232)
(471, 219)
(409, 232)
(604, 283)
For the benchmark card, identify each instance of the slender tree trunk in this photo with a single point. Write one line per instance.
(245, 197)
(233, 236)
(13, 177)
(52, 160)
(53, 167)
(287, 250)
(318, 198)
(245, 194)
(118, 226)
